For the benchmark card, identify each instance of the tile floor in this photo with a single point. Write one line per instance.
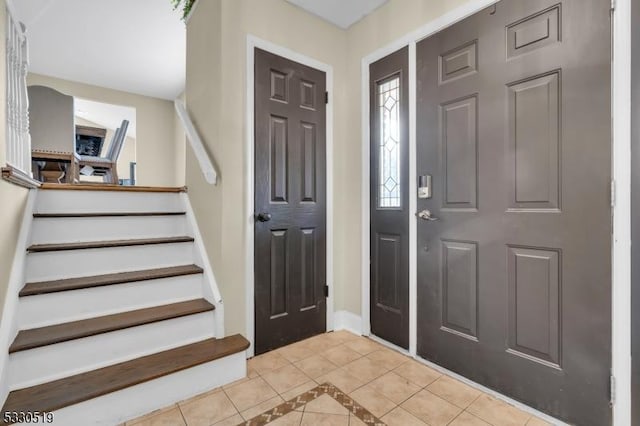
(391, 386)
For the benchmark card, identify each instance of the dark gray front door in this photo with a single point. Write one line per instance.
(290, 201)
(514, 279)
(389, 288)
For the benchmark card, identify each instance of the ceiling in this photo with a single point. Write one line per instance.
(135, 46)
(342, 13)
(106, 115)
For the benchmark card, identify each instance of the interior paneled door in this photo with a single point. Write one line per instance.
(389, 287)
(514, 279)
(290, 201)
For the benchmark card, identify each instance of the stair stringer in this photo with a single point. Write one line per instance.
(211, 290)
(9, 320)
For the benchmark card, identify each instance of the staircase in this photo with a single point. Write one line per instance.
(119, 313)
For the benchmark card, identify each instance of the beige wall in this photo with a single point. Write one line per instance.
(216, 74)
(12, 198)
(155, 145)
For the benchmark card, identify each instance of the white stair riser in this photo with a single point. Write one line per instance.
(48, 363)
(68, 230)
(106, 201)
(66, 306)
(88, 262)
(132, 402)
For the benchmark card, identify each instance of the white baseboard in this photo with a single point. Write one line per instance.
(345, 320)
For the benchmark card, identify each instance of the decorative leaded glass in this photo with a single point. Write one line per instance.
(389, 150)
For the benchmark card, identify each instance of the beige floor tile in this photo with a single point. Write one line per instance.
(325, 405)
(345, 335)
(375, 402)
(342, 379)
(286, 378)
(335, 338)
(208, 410)
(316, 344)
(454, 391)
(365, 369)
(250, 393)
(498, 413)
(468, 419)
(354, 421)
(152, 414)
(316, 366)
(231, 421)
(417, 373)
(262, 407)
(363, 345)
(431, 409)
(535, 421)
(296, 352)
(316, 419)
(291, 419)
(164, 417)
(390, 359)
(395, 387)
(267, 362)
(401, 417)
(341, 355)
(292, 393)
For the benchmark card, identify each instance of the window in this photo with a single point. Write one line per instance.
(389, 154)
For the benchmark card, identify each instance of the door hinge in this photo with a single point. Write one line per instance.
(613, 5)
(612, 390)
(326, 291)
(613, 193)
(326, 97)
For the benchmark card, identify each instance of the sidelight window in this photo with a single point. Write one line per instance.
(389, 149)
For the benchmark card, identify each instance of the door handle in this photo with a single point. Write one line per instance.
(426, 215)
(263, 217)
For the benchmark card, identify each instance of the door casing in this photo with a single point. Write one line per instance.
(621, 239)
(254, 42)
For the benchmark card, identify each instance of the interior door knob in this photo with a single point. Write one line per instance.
(426, 215)
(263, 217)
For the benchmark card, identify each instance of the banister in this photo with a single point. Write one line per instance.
(206, 165)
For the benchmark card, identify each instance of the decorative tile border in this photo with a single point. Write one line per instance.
(324, 389)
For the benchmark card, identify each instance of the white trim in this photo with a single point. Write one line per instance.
(413, 203)
(345, 320)
(254, 42)
(491, 392)
(9, 327)
(211, 289)
(621, 244)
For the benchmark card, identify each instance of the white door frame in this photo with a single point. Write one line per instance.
(254, 42)
(621, 242)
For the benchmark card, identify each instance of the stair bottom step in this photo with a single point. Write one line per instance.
(124, 391)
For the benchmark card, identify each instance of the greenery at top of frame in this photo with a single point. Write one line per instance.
(185, 5)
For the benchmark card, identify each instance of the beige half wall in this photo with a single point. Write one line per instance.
(216, 99)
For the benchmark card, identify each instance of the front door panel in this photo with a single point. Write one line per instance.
(290, 201)
(389, 208)
(514, 279)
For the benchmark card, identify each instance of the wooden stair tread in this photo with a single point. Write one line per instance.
(54, 286)
(43, 336)
(38, 248)
(107, 187)
(105, 214)
(82, 387)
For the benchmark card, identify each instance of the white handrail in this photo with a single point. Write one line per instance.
(206, 165)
